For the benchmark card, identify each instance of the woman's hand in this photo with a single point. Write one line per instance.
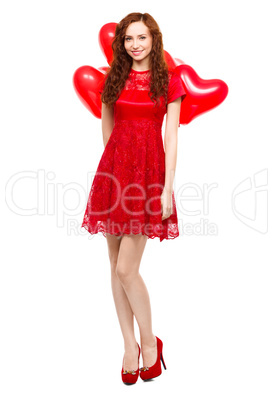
(166, 203)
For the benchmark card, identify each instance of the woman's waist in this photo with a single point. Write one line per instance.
(143, 122)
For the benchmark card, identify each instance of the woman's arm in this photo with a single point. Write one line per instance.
(170, 145)
(170, 142)
(107, 122)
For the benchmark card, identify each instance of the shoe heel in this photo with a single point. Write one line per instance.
(164, 365)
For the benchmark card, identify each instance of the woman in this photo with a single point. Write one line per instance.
(131, 198)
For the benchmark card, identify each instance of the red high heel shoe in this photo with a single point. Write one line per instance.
(146, 373)
(131, 376)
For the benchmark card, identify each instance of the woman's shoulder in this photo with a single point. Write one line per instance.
(174, 77)
(172, 73)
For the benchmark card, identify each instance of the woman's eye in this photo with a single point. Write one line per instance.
(142, 37)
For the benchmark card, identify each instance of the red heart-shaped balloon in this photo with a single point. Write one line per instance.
(87, 81)
(106, 36)
(202, 95)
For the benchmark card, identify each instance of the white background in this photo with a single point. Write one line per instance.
(211, 294)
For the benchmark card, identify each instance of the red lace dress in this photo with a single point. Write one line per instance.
(126, 189)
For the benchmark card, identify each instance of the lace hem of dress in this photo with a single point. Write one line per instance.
(171, 232)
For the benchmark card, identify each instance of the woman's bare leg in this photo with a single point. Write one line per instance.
(129, 257)
(123, 308)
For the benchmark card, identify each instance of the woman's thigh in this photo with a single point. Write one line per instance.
(113, 243)
(130, 253)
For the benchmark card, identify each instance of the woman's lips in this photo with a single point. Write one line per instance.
(137, 53)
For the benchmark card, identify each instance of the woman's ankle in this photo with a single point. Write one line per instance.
(130, 346)
(148, 342)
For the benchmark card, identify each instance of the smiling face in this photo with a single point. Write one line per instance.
(138, 44)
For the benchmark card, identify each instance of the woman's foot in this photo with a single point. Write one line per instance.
(130, 358)
(149, 353)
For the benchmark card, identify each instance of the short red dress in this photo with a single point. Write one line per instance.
(129, 180)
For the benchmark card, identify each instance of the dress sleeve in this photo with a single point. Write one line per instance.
(175, 89)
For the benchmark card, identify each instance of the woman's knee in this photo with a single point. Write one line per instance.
(126, 273)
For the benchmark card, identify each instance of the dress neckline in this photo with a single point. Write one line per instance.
(142, 71)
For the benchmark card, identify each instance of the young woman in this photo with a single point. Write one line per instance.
(131, 198)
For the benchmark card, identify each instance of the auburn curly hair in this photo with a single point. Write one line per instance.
(116, 75)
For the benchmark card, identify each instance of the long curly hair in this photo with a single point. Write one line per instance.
(117, 74)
